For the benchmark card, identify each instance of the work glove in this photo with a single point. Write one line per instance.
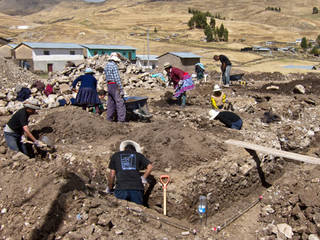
(144, 181)
(23, 139)
(109, 191)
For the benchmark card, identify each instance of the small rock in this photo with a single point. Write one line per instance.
(20, 156)
(284, 230)
(3, 150)
(299, 89)
(185, 233)
(4, 210)
(119, 232)
(313, 237)
(272, 87)
(267, 210)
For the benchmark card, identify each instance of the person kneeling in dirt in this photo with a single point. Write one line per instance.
(125, 166)
(18, 125)
(182, 82)
(230, 119)
(218, 99)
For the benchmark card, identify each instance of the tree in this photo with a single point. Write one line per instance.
(155, 29)
(191, 23)
(315, 51)
(200, 20)
(221, 32)
(212, 22)
(315, 10)
(318, 40)
(225, 35)
(304, 43)
(208, 33)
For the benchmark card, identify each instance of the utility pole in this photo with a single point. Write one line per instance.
(148, 53)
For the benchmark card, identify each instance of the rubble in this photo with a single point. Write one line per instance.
(131, 77)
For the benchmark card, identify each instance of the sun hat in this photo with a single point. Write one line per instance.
(166, 65)
(88, 70)
(114, 57)
(213, 114)
(125, 143)
(216, 88)
(32, 103)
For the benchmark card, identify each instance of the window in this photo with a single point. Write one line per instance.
(72, 53)
(46, 52)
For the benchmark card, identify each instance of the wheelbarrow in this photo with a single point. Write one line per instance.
(137, 108)
(238, 78)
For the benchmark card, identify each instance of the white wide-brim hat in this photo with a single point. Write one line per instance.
(166, 65)
(114, 57)
(213, 114)
(125, 143)
(32, 103)
(88, 70)
(216, 88)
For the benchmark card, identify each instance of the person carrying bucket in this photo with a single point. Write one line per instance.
(182, 82)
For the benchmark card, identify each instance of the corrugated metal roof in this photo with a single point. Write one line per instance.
(145, 57)
(52, 45)
(183, 54)
(113, 47)
(12, 45)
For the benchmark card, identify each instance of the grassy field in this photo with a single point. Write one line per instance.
(126, 22)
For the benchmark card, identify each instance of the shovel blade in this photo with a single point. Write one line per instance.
(47, 141)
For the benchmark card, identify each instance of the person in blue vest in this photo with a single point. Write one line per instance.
(87, 95)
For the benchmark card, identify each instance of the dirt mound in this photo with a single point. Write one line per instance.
(310, 83)
(61, 194)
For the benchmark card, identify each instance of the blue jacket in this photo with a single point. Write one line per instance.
(87, 81)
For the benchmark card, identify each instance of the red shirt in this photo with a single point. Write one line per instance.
(176, 75)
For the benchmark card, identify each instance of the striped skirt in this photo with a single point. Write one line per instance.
(186, 86)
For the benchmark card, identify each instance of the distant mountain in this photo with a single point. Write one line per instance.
(26, 7)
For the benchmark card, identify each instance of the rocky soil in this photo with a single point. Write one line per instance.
(60, 195)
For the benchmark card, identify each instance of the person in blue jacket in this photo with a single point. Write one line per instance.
(87, 95)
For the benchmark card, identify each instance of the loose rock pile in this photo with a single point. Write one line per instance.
(131, 76)
(292, 211)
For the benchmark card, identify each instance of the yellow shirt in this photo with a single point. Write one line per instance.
(218, 102)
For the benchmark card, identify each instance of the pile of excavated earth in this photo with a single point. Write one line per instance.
(60, 194)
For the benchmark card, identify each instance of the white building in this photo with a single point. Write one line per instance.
(47, 57)
(144, 60)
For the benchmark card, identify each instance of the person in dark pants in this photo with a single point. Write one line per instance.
(18, 126)
(230, 119)
(87, 95)
(115, 102)
(125, 167)
(225, 69)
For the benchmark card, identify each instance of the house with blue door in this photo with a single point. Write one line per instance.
(91, 50)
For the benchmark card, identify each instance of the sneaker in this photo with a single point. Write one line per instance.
(226, 85)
